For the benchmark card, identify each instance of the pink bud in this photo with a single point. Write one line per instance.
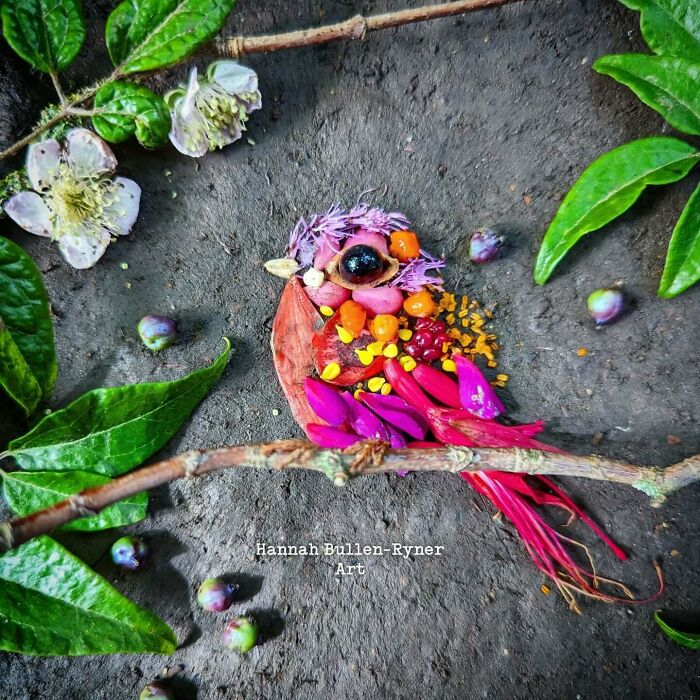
(328, 294)
(437, 384)
(326, 402)
(475, 393)
(379, 300)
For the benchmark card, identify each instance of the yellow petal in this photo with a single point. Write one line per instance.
(326, 310)
(405, 334)
(345, 336)
(376, 383)
(365, 357)
(376, 348)
(330, 371)
(391, 350)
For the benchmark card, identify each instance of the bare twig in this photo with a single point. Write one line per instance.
(234, 47)
(353, 28)
(341, 465)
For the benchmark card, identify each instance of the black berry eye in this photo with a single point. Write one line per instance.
(361, 264)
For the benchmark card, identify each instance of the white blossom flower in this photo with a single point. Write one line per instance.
(211, 112)
(75, 201)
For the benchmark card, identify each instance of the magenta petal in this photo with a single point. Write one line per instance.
(394, 410)
(475, 393)
(326, 402)
(363, 421)
(326, 436)
(396, 440)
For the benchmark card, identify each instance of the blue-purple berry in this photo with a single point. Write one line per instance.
(484, 245)
(605, 305)
(216, 595)
(156, 691)
(129, 553)
(157, 332)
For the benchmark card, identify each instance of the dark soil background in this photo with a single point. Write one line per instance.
(487, 119)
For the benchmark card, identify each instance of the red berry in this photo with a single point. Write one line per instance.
(422, 323)
(438, 327)
(432, 354)
(423, 339)
(412, 349)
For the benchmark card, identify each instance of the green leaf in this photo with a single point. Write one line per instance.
(682, 268)
(25, 307)
(110, 431)
(670, 27)
(28, 492)
(607, 188)
(143, 35)
(685, 639)
(52, 604)
(46, 33)
(15, 376)
(669, 85)
(124, 109)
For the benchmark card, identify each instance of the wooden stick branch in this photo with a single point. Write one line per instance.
(235, 47)
(353, 28)
(340, 465)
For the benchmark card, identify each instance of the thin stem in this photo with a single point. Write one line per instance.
(57, 86)
(353, 28)
(340, 465)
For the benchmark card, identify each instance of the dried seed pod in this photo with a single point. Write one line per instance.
(361, 267)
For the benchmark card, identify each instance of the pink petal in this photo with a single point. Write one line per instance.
(379, 300)
(327, 436)
(396, 411)
(28, 210)
(407, 387)
(475, 393)
(326, 402)
(437, 384)
(328, 294)
(362, 237)
(363, 421)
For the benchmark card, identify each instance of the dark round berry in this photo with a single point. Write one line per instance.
(361, 264)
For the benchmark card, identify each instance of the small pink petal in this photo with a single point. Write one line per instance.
(475, 393)
(394, 410)
(396, 440)
(362, 237)
(363, 421)
(437, 384)
(379, 300)
(326, 402)
(328, 294)
(327, 436)
(83, 251)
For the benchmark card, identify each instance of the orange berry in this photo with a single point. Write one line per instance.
(352, 317)
(404, 245)
(384, 327)
(420, 304)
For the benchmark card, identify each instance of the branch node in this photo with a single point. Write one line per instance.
(368, 453)
(191, 462)
(7, 539)
(461, 457)
(80, 506)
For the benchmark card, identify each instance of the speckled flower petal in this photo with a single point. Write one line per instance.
(84, 250)
(88, 154)
(475, 393)
(188, 133)
(233, 77)
(43, 160)
(28, 210)
(126, 208)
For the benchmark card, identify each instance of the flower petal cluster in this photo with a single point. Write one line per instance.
(74, 200)
(211, 112)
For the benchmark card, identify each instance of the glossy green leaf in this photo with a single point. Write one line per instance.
(670, 27)
(607, 188)
(52, 604)
(24, 306)
(46, 33)
(110, 431)
(682, 268)
(28, 492)
(669, 85)
(125, 109)
(16, 378)
(143, 35)
(686, 639)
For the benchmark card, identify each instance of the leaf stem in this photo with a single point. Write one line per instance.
(365, 458)
(57, 86)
